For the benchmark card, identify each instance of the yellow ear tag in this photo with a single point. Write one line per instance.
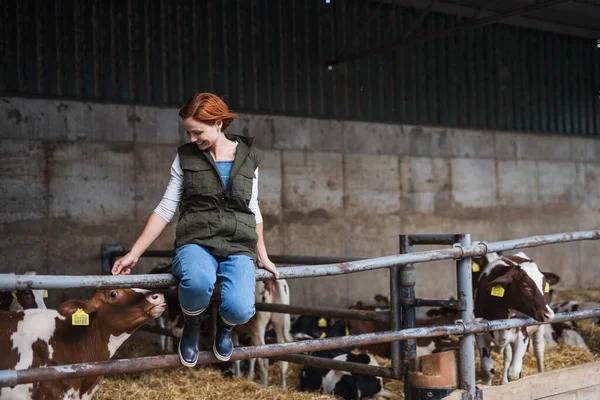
(323, 335)
(14, 295)
(383, 303)
(80, 318)
(45, 293)
(475, 266)
(347, 332)
(322, 323)
(498, 291)
(547, 288)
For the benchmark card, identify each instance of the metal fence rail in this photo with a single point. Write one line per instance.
(20, 282)
(12, 377)
(400, 316)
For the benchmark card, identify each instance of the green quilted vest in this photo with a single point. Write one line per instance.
(210, 216)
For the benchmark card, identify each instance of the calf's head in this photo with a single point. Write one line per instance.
(118, 310)
(524, 288)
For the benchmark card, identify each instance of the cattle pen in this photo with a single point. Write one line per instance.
(401, 315)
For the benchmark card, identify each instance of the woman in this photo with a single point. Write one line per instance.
(219, 235)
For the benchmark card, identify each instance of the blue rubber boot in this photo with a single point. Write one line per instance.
(188, 345)
(223, 346)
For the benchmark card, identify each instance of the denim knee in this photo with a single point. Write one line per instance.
(196, 269)
(236, 311)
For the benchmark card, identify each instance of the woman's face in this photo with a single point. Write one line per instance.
(205, 136)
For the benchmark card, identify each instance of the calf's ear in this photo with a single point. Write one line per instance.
(551, 278)
(69, 307)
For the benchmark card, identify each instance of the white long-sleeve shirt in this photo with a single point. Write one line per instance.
(172, 197)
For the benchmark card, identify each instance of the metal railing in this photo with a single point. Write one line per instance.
(402, 279)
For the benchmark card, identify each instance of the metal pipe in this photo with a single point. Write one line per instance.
(157, 330)
(21, 282)
(397, 44)
(407, 281)
(437, 303)
(467, 342)
(327, 363)
(395, 322)
(432, 238)
(13, 377)
(361, 315)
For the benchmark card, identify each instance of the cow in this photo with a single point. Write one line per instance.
(343, 384)
(79, 331)
(512, 286)
(20, 300)
(270, 292)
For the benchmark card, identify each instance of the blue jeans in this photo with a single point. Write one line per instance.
(198, 272)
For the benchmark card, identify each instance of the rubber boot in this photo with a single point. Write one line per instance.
(223, 346)
(188, 345)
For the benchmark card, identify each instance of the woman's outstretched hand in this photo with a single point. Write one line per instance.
(123, 266)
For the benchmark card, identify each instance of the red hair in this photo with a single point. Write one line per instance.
(208, 109)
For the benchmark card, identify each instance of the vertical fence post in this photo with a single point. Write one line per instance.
(407, 279)
(467, 342)
(395, 321)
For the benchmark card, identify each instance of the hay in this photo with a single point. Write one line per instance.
(591, 335)
(204, 382)
(191, 383)
(562, 356)
(576, 295)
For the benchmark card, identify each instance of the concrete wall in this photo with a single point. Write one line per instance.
(76, 175)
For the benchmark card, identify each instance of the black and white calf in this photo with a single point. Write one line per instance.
(572, 306)
(344, 384)
(563, 333)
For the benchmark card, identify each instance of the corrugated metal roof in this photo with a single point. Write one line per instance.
(266, 56)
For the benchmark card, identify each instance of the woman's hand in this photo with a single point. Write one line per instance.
(123, 266)
(269, 266)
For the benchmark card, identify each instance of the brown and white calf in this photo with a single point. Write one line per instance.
(270, 292)
(20, 300)
(512, 286)
(38, 338)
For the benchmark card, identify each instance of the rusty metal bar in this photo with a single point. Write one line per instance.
(320, 362)
(432, 238)
(407, 281)
(157, 330)
(21, 282)
(361, 315)
(467, 342)
(110, 252)
(437, 303)
(395, 321)
(397, 44)
(15, 377)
